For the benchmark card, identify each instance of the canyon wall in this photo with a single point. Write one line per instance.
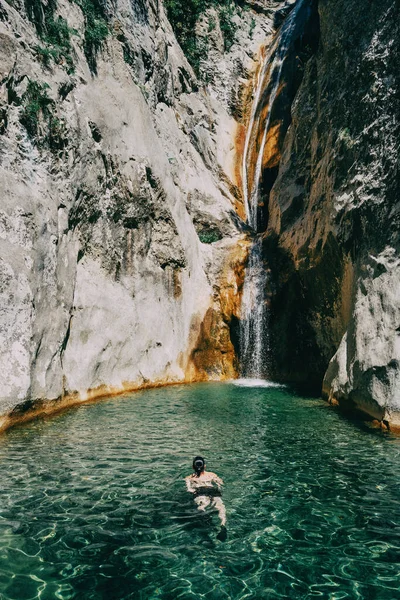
(334, 215)
(122, 231)
(121, 248)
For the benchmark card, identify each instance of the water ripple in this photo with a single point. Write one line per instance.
(93, 504)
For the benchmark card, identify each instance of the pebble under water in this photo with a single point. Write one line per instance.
(93, 503)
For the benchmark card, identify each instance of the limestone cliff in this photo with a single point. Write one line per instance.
(121, 248)
(333, 216)
(121, 217)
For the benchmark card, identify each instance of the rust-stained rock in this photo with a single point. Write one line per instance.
(214, 355)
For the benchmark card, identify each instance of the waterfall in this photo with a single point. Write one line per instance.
(251, 220)
(254, 341)
(270, 69)
(254, 322)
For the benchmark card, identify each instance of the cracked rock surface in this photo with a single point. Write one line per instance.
(118, 227)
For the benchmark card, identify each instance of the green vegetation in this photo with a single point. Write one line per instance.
(208, 236)
(36, 104)
(345, 137)
(56, 135)
(129, 56)
(183, 15)
(3, 120)
(211, 24)
(96, 29)
(228, 27)
(54, 33)
(252, 27)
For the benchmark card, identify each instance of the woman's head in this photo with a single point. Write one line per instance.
(198, 465)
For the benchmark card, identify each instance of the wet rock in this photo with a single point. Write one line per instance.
(334, 215)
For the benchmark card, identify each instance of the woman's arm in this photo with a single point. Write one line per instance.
(218, 481)
(190, 487)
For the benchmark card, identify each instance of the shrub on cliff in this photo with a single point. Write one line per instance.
(55, 33)
(183, 16)
(38, 118)
(209, 236)
(36, 104)
(96, 29)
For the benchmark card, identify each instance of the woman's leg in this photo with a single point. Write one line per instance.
(220, 506)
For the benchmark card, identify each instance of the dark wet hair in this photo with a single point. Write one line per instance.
(198, 465)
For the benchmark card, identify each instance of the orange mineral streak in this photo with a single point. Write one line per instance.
(240, 138)
(239, 141)
(272, 155)
(213, 356)
(272, 152)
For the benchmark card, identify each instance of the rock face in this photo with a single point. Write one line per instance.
(121, 248)
(334, 215)
(121, 218)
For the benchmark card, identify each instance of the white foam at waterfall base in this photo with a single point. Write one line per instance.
(256, 383)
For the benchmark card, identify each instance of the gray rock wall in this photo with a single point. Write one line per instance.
(334, 215)
(118, 228)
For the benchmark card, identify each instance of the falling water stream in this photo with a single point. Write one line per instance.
(254, 337)
(254, 328)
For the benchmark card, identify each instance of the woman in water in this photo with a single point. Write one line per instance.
(206, 487)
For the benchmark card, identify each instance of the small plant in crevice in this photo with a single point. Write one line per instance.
(56, 137)
(36, 105)
(38, 118)
(3, 120)
(46, 55)
(252, 27)
(345, 137)
(209, 236)
(53, 31)
(65, 88)
(211, 24)
(96, 29)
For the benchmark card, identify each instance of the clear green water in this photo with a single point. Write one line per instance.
(93, 505)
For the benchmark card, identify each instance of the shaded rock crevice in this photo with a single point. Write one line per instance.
(333, 227)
